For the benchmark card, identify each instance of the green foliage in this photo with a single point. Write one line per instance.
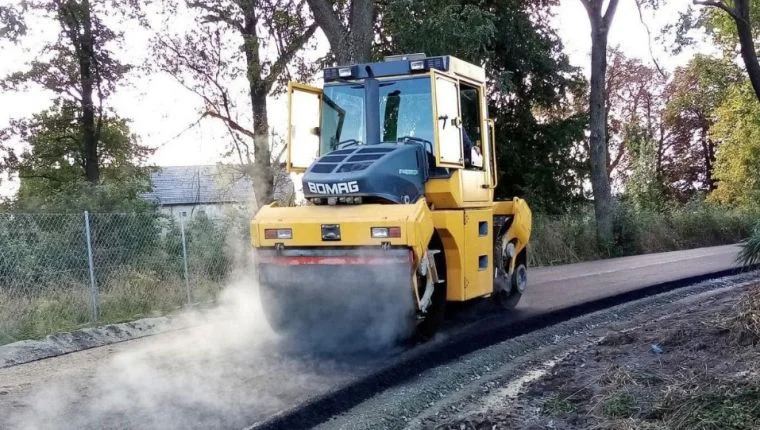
(138, 266)
(531, 85)
(51, 167)
(750, 253)
(557, 406)
(620, 405)
(715, 22)
(695, 92)
(722, 27)
(738, 159)
(730, 406)
(440, 27)
(643, 187)
(571, 238)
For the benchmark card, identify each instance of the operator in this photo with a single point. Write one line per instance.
(472, 155)
(477, 157)
(467, 147)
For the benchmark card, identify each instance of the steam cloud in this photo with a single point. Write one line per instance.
(230, 369)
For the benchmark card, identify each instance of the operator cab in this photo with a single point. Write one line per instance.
(394, 131)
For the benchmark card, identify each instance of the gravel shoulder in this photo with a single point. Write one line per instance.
(596, 371)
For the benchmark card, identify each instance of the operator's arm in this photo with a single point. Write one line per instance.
(467, 147)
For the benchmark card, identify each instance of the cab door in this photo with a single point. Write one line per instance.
(304, 118)
(475, 176)
(448, 134)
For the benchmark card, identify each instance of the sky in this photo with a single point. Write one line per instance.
(161, 110)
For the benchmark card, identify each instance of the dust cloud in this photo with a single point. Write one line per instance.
(230, 369)
(345, 310)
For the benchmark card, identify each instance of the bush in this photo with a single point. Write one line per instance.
(750, 253)
(572, 238)
(138, 266)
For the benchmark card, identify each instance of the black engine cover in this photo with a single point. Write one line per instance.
(392, 172)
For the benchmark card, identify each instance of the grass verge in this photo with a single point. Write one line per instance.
(571, 238)
(126, 295)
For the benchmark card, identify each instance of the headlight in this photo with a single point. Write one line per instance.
(385, 232)
(278, 233)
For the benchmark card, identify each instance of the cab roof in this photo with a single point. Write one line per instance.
(406, 64)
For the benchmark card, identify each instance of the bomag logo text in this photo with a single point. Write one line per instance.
(337, 188)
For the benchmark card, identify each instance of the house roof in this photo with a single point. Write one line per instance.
(187, 185)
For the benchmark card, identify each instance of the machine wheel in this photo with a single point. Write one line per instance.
(274, 309)
(427, 327)
(508, 290)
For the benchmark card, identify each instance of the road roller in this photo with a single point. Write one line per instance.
(399, 220)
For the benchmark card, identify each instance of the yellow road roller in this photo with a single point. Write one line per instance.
(398, 164)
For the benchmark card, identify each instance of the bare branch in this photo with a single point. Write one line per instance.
(649, 37)
(216, 14)
(719, 4)
(230, 122)
(290, 51)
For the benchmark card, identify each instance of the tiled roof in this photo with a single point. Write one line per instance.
(187, 185)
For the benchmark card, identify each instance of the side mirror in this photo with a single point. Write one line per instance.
(314, 131)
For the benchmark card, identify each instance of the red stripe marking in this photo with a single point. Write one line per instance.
(307, 260)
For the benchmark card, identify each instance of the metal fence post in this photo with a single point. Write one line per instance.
(93, 285)
(184, 257)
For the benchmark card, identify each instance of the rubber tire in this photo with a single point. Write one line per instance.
(505, 298)
(428, 327)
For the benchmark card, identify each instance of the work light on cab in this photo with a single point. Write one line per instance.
(278, 233)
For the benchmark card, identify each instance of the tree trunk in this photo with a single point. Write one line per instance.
(86, 53)
(747, 44)
(600, 184)
(263, 179)
(262, 175)
(660, 149)
(709, 157)
(352, 44)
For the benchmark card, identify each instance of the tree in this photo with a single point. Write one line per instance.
(634, 101)
(695, 92)
(600, 24)
(643, 185)
(349, 27)
(636, 137)
(52, 166)
(738, 157)
(78, 67)
(532, 88)
(231, 41)
(730, 22)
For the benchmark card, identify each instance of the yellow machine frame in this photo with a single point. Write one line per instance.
(460, 209)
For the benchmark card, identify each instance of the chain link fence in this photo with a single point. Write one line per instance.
(60, 272)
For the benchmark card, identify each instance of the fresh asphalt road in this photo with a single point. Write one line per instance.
(553, 288)
(232, 372)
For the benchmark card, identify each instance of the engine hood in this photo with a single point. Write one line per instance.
(384, 172)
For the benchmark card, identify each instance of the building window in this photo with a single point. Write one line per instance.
(183, 214)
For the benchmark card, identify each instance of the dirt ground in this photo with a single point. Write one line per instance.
(696, 367)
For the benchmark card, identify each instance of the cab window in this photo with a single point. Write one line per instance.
(469, 97)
